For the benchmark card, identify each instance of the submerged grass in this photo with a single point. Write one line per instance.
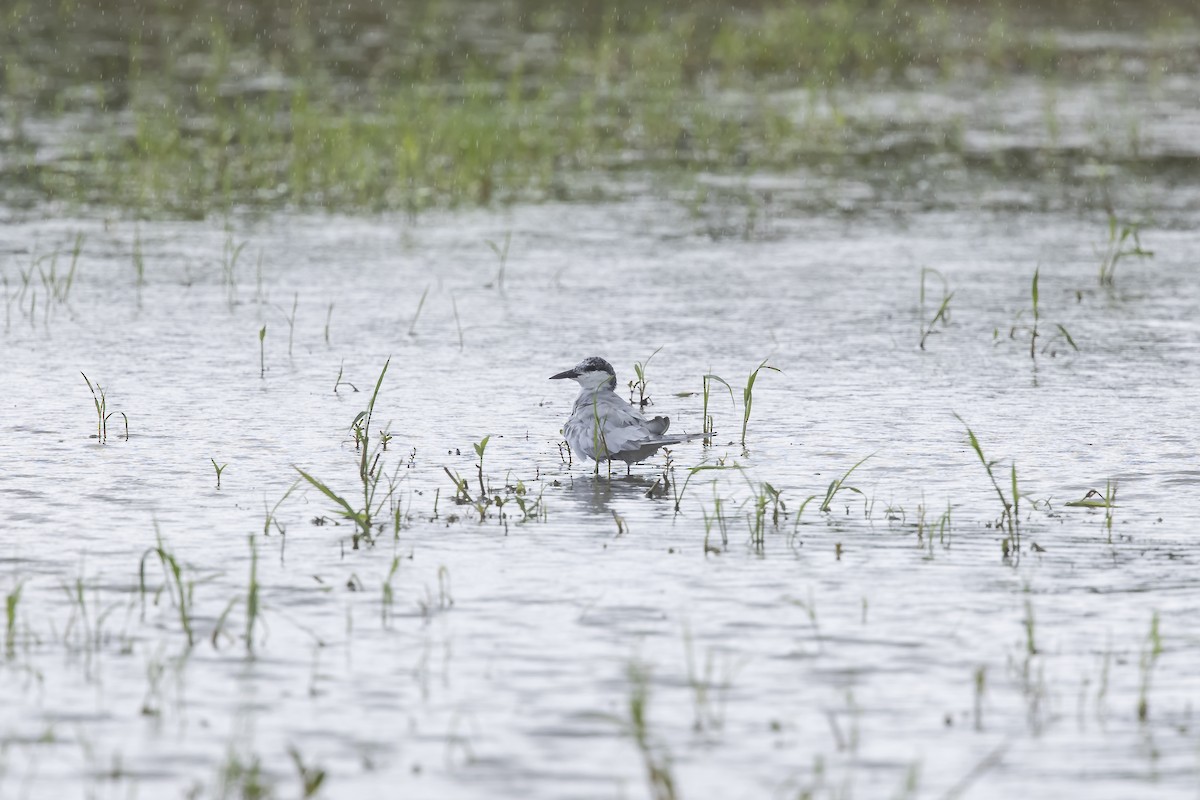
(1146, 663)
(179, 590)
(206, 107)
(312, 777)
(942, 314)
(12, 601)
(290, 319)
(1008, 519)
(1124, 241)
(657, 762)
(501, 252)
(55, 286)
(412, 328)
(252, 599)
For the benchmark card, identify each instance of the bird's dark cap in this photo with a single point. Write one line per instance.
(589, 364)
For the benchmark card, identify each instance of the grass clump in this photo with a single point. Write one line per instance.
(942, 314)
(1124, 241)
(245, 779)
(312, 777)
(639, 385)
(836, 486)
(488, 498)
(839, 484)
(823, 42)
(251, 601)
(765, 496)
(1033, 327)
(1008, 519)
(103, 415)
(370, 475)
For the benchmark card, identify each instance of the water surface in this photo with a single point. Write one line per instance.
(841, 656)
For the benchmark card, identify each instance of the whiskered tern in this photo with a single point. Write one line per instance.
(603, 426)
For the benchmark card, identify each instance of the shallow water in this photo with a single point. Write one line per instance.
(841, 656)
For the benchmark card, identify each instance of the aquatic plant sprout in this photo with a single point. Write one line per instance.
(942, 314)
(262, 358)
(218, 468)
(839, 484)
(103, 415)
(639, 384)
(748, 395)
(1032, 330)
(412, 328)
(501, 252)
(1008, 516)
(708, 380)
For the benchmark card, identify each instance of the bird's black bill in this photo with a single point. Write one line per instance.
(568, 374)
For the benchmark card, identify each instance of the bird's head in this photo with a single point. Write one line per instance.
(591, 373)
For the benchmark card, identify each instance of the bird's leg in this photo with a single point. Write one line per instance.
(628, 469)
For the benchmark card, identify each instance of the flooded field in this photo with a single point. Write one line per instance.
(969, 291)
(887, 644)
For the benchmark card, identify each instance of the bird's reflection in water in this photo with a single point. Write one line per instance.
(595, 494)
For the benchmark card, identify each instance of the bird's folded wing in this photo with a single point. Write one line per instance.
(624, 439)
(625, 430)
(658, 425)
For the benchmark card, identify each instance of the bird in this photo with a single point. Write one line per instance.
(602, 426)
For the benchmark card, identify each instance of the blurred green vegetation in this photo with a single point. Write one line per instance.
(203, 105)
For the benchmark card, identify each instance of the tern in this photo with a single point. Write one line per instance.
(603, 426)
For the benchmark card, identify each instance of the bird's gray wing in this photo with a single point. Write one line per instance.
(656, 426)
(624, 428)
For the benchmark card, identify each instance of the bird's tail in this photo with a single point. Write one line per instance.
(662, 441)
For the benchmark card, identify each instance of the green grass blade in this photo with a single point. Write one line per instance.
(723, 382)
(349, 512)
(1035, 291)
(1067, 336)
